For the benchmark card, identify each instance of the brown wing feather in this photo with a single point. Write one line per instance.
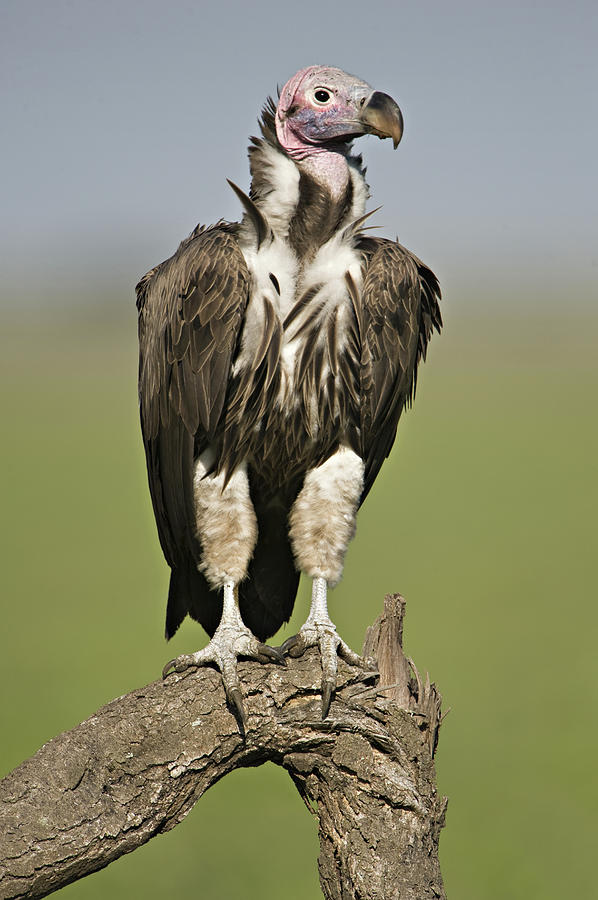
(398, 310)
(190, 313)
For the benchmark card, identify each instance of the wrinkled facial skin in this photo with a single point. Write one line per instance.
(320, 107)
(322, 104)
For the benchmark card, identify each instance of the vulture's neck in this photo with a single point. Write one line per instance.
(306, 200)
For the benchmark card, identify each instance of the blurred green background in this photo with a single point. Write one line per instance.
(484, 518)
(120, 122)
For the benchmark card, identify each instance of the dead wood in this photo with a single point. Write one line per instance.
(138, 765)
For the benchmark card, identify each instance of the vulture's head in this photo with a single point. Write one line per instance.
(321, 107)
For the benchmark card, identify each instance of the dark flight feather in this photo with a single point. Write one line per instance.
(181, 402)
(397, 312)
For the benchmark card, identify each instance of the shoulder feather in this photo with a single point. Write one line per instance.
(190, 313)
(398, 312)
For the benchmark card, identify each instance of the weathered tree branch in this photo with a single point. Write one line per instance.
(136, 768)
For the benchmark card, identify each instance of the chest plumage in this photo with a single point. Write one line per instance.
(295, 388)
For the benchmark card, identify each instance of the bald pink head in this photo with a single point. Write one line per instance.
(321, 108)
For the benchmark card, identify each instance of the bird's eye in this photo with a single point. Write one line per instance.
(322, 96)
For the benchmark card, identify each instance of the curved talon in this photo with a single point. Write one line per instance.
(235, 698)
(231, 641)
(327, 691)
(323, 635)
(179, 664)
(329, 643)
(226, 659)
(294, 646)
(166, 670)
(271, 654)
(232, 689)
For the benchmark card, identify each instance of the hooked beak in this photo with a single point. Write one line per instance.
(381, 116)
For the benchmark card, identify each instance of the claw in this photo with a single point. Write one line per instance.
(179, 664)
(325, 637)
(231, 640)
(319, 631)
(327, 689)
(235, 698)
(294, 646)
(166, 670)
(271, 654)
(329, 643)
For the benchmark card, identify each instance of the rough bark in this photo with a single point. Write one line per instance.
(138, 765)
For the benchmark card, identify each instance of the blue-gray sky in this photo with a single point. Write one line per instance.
(121, 120)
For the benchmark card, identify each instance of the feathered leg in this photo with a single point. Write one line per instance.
(322, 524)
(227, 529)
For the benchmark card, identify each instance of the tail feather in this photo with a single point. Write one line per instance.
(189, 592)
(267, 596)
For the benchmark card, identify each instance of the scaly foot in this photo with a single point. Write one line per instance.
(231, 640)
(320, 631)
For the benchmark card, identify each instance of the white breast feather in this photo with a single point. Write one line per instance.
(331, 263)
(328, 268)
(278, 259)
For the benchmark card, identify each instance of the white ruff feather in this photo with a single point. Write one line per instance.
(279, 206)
(361, 190)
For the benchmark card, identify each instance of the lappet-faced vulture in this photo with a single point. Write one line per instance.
(276, 356)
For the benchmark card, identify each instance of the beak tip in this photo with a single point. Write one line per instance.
(383, 117)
